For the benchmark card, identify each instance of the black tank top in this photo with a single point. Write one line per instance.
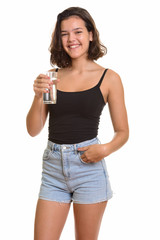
(75, 117)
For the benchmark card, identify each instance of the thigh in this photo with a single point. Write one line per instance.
(88, 219)
(50, 219)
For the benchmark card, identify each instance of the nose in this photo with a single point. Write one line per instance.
(71, 37)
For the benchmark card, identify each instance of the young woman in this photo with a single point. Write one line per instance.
(74, 168)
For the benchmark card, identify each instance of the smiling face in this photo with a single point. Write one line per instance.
(75, 37)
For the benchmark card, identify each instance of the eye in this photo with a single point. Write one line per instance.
(78, 32)
(64, 34)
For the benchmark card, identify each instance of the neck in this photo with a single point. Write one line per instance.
(82, 65)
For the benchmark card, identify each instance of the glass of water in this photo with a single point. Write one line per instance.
(51, 96)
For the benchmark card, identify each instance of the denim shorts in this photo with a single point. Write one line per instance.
(66, 177)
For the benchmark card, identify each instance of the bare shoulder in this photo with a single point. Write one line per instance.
(113, 80)
(113, 77)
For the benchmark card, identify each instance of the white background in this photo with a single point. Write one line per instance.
(130, 31)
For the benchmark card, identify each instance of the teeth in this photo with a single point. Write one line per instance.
(74, 46)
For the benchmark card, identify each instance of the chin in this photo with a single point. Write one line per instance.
(76, 56)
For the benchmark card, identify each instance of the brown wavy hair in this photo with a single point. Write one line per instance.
(58, 56)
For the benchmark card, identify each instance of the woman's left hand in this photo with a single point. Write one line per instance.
(93, 153)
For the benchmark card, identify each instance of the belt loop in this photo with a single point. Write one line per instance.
(53, 146)
(75, 149)
(98, 140)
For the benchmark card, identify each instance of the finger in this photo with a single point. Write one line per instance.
(84, 158)
(40, 90)
(43, 76)
(41, 85)
(83, 149)
(43, 80)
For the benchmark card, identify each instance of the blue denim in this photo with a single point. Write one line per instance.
(67, 178)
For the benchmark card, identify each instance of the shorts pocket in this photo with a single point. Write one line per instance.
(80, 153)
(46, 154)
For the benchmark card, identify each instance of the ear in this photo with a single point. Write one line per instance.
(90, 36)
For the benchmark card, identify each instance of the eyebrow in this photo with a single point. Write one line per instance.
(72, 29)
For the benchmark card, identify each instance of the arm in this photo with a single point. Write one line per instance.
(36, 116)
(116, 103)
(118, 114)
(38, 112)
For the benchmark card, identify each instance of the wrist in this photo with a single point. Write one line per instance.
(38, 98)
(38, 103)
(107, 149)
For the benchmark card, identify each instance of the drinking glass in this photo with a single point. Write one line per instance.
(51, 96)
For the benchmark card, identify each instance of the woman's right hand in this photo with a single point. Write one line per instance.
(41, 85)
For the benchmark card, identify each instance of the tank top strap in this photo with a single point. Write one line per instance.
(99, 84)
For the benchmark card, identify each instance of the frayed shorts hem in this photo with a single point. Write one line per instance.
(103, 200)
(53, 200)
(76, 202)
